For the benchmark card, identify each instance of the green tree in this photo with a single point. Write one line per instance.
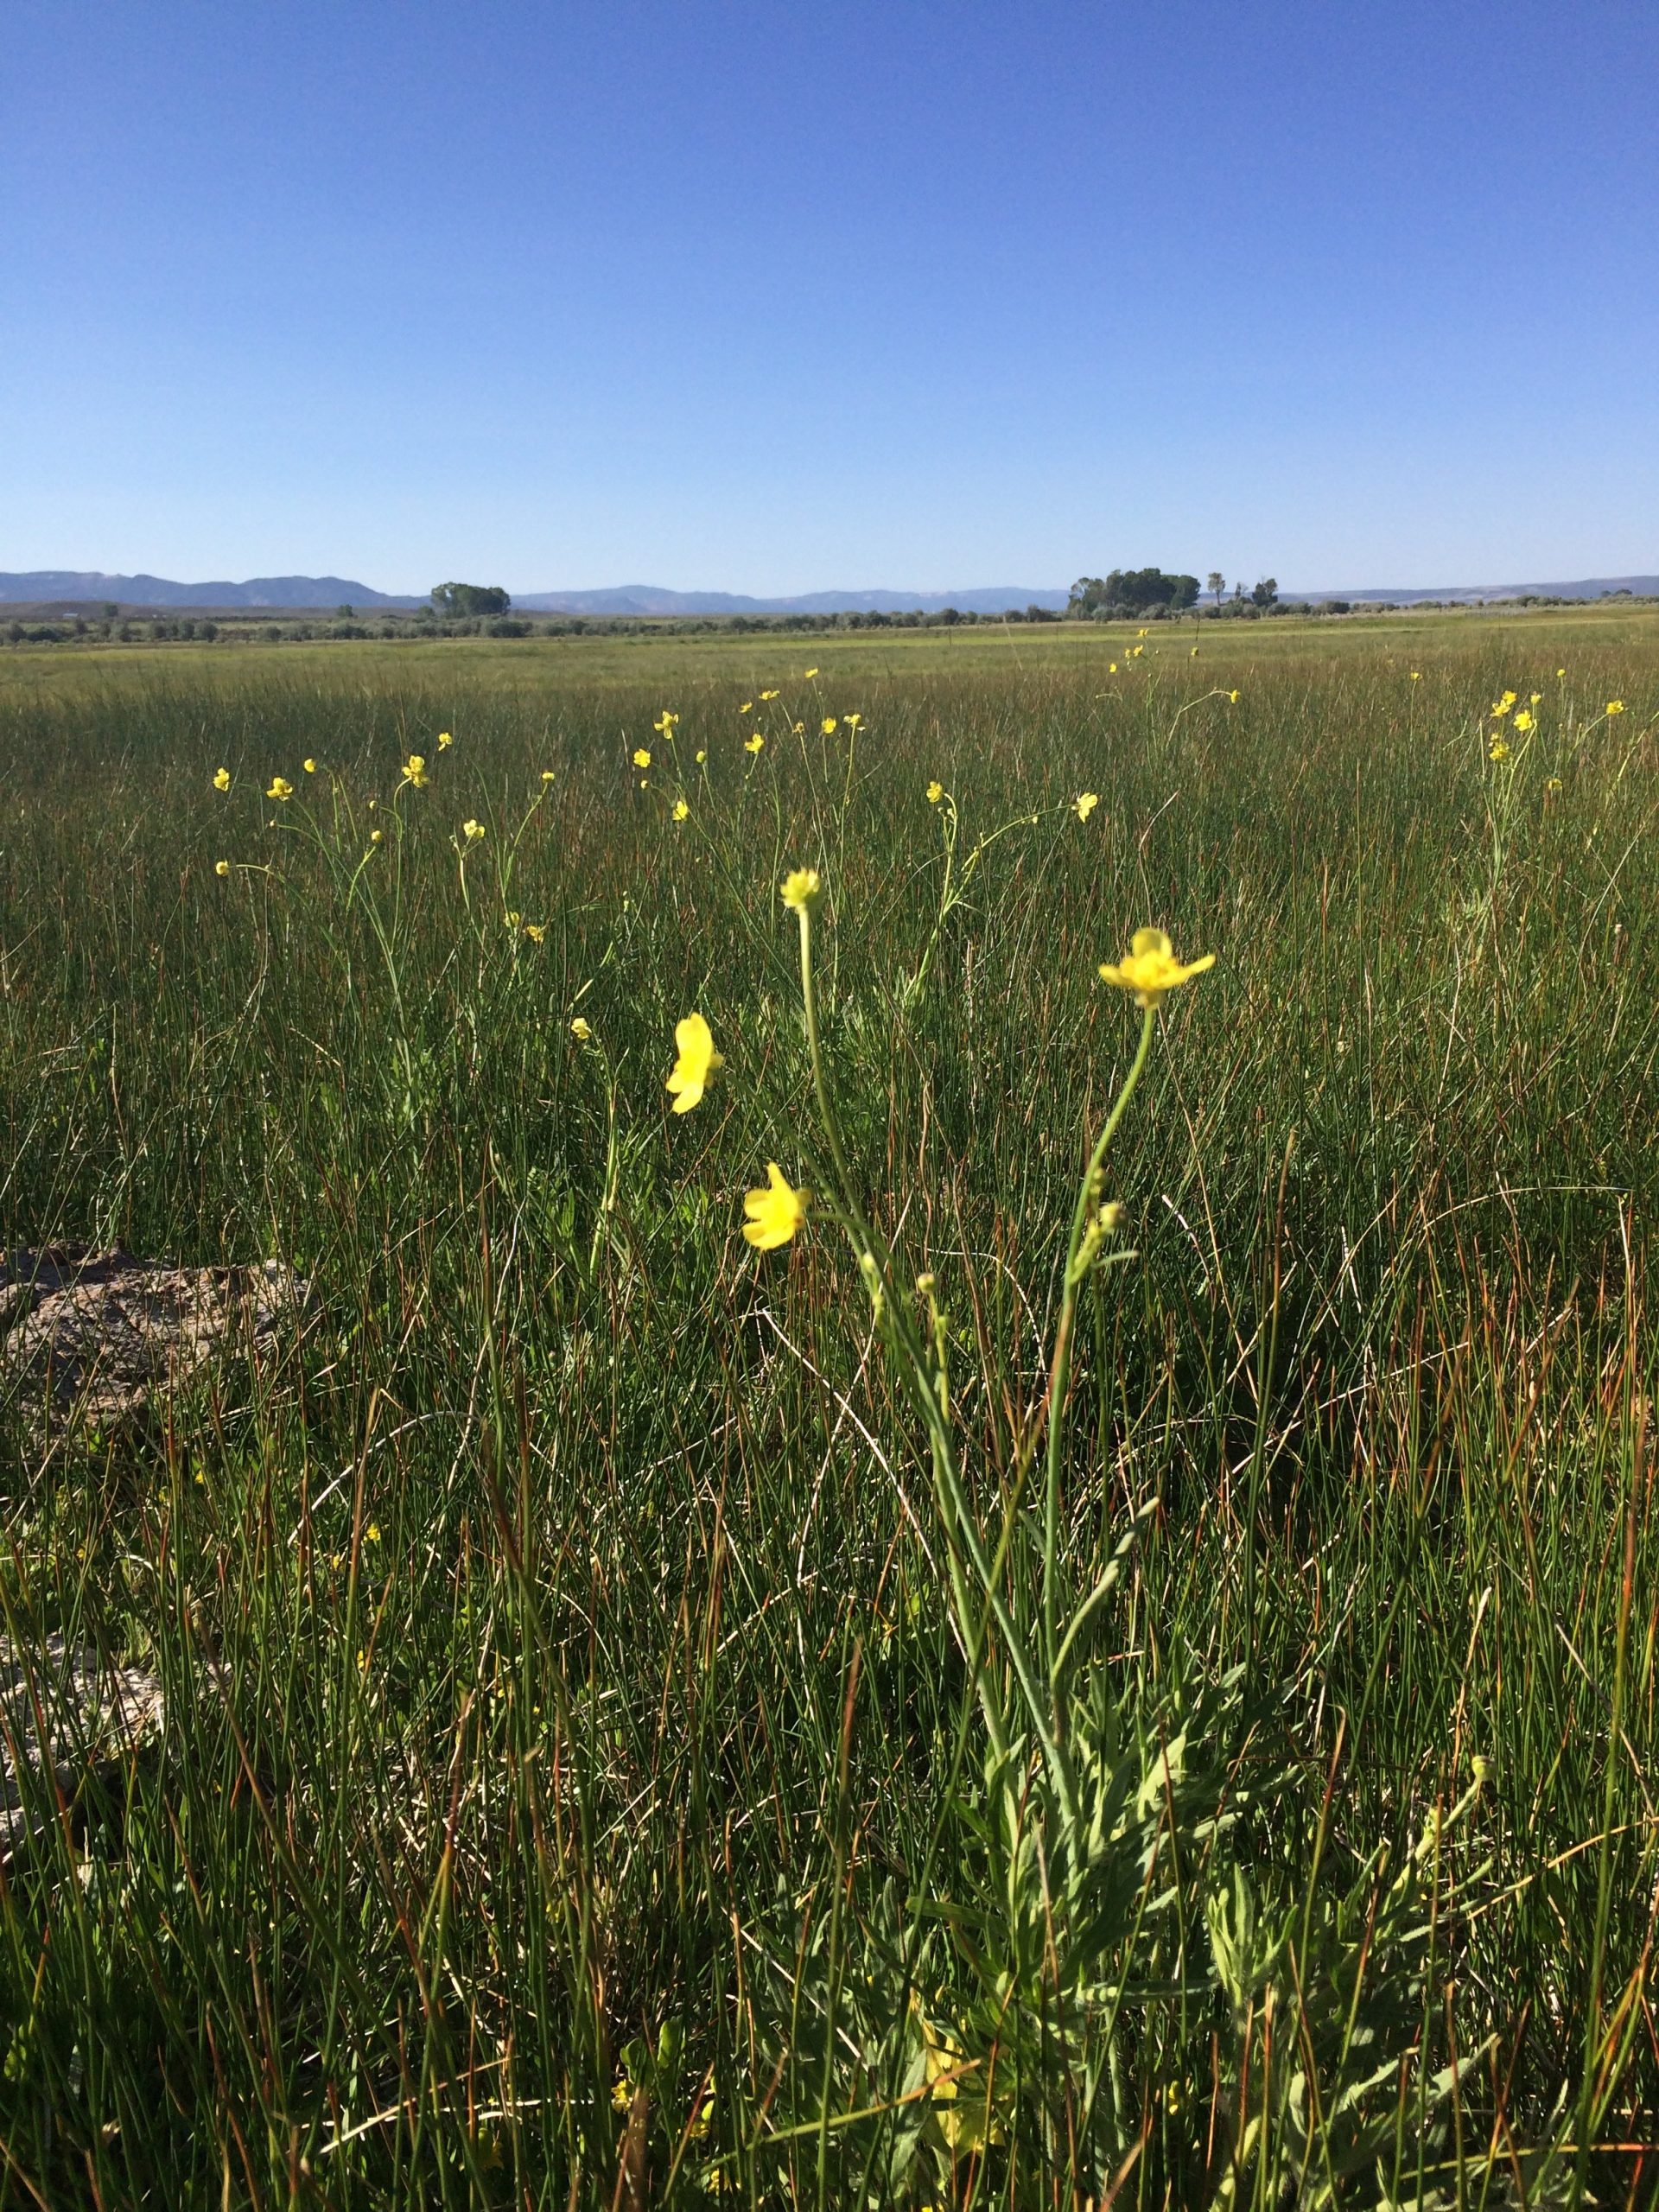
(462, 602)
(1214, 583)
(1266, 592)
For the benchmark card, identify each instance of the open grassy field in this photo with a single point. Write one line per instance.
(978, 1704)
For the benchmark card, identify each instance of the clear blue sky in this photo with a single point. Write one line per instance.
(774, 297)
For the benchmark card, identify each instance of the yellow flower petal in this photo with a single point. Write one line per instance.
(698, 1065)
(1150, 969)
(776, 1213)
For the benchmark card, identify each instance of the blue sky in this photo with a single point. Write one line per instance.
(763, 298)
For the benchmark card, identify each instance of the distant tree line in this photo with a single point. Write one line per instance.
(465, 602)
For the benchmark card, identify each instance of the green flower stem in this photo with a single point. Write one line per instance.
(963, 1535)
(1059, 1373)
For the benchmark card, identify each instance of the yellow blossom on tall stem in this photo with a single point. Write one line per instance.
(1150, 968)
(803, 887)
(415, 772)
(444, 741)
(934, 793)
(279, 788)
(755, 743)
(776, 1213)
(1615, 706)
(680, 810)
(641, 757)
(222, 779)
(698, 1065)
(1084, 805)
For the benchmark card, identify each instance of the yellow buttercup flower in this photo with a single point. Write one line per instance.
(1111, 668)
(1084, 805)
(680, 810)
(852, 721)
(221, 779)
(641, 757)
(1499, 751)
(747, 707)
(827, 727)
(580, 1030)
(697, 1065)
(279, 788)
(1416, 675)
(444, 741)
(811, 673)
(755, 743)
(221, 867)
(472, 831)
(664, 723)
(702, 756)
(934, 793)
(1553, 784)
(1501, 707)
(1533, 698)
(776, 1213)
(1150, 969)
(1195, 652)
(1233, 695)
(310, 767)
(1615, 706)
(415, 771)
(536, 931)
(547, 776)
(377, 836)
(1560, 672)
(801, 889)
(768, 695)
(1522, 722)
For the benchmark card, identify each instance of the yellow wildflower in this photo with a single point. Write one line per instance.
(852, 721)
(776, 1213)
(415, 771)
(829, 726)
(222, 779)
(512, 918)
(1084, 805)
(1501, 707)
(310, 767)
(1552, 784)
(279, 788)
(697, 1065)
(1111, 668)
(377, 836)
(444, 741)
(1499, 750)
(747, 707)
(1560, 672)
(221, 867)
(580, 1030)
(934, 793)
(1195, 652)
(641, 757)
(801, 889)
(1615, 706)
(1233, 695)
(680, 810)
(536, 931)
(472, 830)
(1416, 675)
(1533, 697)
(664, 723)
(1150, 969)
(702, 756)
(547, 776)
(1522, 722)
(755, 743)
(811, 673)
(768, 695)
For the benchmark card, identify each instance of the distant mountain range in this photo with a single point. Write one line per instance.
(41, 586)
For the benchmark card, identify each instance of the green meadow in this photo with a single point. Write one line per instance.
(1041, 1688)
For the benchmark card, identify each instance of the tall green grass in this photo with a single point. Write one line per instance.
(576, 1786)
